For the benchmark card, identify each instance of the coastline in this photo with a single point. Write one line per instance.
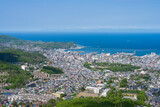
(101, 43)
(77, 47)
(138, 52)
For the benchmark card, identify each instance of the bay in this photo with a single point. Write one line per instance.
(142, 43)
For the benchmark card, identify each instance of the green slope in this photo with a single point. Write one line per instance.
(20, 56)
(51, 70)
(16, 76)
(5, 38)
(44, 45)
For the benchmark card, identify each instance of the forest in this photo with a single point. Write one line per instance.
(10, 61)
(51, 70)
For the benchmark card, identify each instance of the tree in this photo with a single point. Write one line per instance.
(15, 104)
(52, 102)
(82, 88)
(3, 79)
(123, 83)
(63, 95)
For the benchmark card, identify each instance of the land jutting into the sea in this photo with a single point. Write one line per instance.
(48, 74)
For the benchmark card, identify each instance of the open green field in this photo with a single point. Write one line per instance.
(115, 67)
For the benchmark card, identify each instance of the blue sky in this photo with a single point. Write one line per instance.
(80, 15)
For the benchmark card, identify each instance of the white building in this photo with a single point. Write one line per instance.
(15, 97)
(94, 89)
(143, 72)
(23, 67)
(100, 85)
(105, 92)
(132, 98)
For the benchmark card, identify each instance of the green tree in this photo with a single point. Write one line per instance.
(63, 95)
(15, 104)
(82, 88)
(124, 83)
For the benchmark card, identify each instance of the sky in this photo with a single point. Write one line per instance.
(80, 15)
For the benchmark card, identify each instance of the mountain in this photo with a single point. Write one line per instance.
(13, 56)
(5, 38)
(9, 41)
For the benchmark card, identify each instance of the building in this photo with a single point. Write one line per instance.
(143, 73)
(105, 92)
(23, 67)
(131, 96)
(94, 89)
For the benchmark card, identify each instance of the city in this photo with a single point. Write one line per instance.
(80, 53)
(78, 81)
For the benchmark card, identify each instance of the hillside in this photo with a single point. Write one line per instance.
(15, 75)
(10, 41)
(5, 38)
(13, 56)
(51, 70)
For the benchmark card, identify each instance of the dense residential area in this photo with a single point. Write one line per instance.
(33, 75)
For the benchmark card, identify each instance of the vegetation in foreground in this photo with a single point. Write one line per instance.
(113, 99)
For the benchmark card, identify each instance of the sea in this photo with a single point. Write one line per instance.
(141, 43)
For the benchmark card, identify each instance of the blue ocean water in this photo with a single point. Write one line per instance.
(142, 43)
